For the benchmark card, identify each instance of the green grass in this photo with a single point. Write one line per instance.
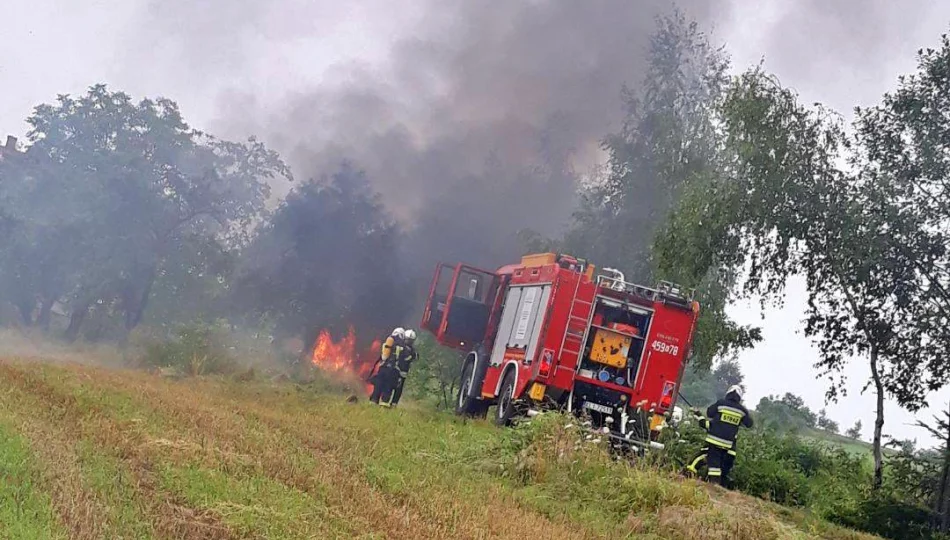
(853, 446)
(25, 509)
(114, 486)
(143, 457)
(252, 505)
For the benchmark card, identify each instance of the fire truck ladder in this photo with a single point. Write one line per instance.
(578, 322)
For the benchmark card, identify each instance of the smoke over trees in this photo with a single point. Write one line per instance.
(327, 259)
(478, 137)
(480, 124)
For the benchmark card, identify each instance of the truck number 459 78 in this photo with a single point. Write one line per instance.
(666, 348)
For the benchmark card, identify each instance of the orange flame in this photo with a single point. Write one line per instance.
(340, 357)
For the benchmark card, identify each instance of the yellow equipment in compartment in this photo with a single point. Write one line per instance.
(610, 348)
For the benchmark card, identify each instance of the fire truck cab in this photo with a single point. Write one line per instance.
(554, 332)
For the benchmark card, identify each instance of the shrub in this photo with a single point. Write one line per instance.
(886, 516)
(435, 374)
(195, 350)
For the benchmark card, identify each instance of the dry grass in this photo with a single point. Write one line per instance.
(131, 455)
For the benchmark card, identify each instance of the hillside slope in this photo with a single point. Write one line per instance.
(93, 453)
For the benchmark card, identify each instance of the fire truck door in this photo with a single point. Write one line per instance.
(460, 304)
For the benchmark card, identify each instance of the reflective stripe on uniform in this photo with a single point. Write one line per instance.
(727, 408)
(731, 453)
(715, 471)
(692, 466)
(721, 443)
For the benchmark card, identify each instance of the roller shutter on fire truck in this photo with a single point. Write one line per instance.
(521, 323)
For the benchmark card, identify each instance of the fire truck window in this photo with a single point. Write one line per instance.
(473, 286)
(444, 282)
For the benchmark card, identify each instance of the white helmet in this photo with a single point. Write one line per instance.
(735, 389)
(399, 332)
(410, 335)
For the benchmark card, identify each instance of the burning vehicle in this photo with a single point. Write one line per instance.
(554, 332)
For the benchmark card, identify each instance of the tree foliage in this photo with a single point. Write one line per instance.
(854, 431)
(703, 387)
(667, 151)
(108, 191)
(826, 423)
(792, 209)
(786, 414)
(904, 144)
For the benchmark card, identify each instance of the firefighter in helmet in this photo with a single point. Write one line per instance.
(722, 422)
(381, 374)
(403, 361)
(396, 357)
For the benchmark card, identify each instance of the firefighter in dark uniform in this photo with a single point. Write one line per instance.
(383, 374)
(722, 429)
(404, 359)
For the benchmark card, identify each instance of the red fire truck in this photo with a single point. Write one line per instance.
(553, 331)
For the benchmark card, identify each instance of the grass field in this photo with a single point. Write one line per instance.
(87, 452)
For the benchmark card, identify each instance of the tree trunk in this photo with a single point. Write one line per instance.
(942, 509)
(26, 312)
(136, 308)
(878, 422)
(46, 309)
(76, 319)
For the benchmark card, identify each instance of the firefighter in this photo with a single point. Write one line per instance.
(382, 373)
(403, 360)
(722, 428)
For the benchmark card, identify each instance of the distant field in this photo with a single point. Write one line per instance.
(858, 448)
(92, 453)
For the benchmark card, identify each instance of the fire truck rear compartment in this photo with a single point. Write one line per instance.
(615, 343)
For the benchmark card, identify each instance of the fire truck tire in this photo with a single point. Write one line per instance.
(506, 400)
(468, 402)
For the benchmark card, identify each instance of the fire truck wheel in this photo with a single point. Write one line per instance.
(506, 400)
(467, 404)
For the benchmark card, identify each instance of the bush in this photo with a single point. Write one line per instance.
(434, 375)
(886, 516)
(195, 350)
(565, 463)
(790, 471)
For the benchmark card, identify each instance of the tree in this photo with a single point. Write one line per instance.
(109, 189)
(327, 259)
(826, 423)
(854, 431)
(666, 153)
(904, 144)
(793, 210)
(786, 414)
(703, 387)
(726, 374)
(941, 495)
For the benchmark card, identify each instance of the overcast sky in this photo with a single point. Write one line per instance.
(232, 68)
